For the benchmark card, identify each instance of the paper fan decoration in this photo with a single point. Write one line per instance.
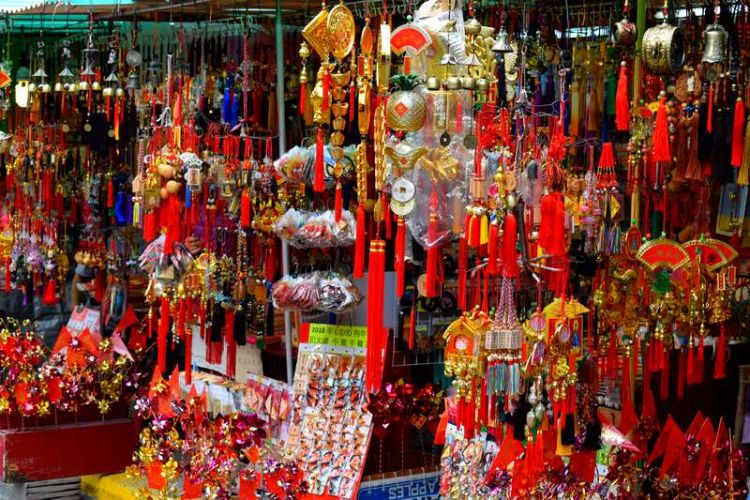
(409, 39)
(573, 308)
(703, 252)
(662, 253)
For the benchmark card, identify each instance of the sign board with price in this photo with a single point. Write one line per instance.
(334, 335)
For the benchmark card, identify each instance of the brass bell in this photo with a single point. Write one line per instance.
(502, 45)
(715, 44)
(624, 33)
(132, 81)
(433, 83)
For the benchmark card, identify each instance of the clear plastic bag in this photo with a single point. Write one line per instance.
(327, 292)
(316, 229)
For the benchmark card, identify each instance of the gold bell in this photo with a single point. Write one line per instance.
(715, 44)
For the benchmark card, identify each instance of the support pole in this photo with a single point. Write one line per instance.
(640, 26)
(281, 120)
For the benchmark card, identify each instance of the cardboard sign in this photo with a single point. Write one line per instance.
(414, 487)
(334, 335)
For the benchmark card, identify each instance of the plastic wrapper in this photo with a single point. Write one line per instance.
(316, 229)
(327, 292)
(298, 164)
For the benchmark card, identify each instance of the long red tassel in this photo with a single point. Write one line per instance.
(398, 258)
(629, 419)
(50, 297)
(375, 280)
(738, 133)
(510, 262)
(163, 331)
(339, 203)
(710, 111)
(149, 225)
(433, 253)
(720, 361)
(622, 100)
(110, 194)
(302, 98)
(326, 91)
(681, 373)
(189, 355)
(231, 344)
(245, 209)
(463, 255)
(700, 363)
(664, 378)
(8, 277)
(359, 243)
(661, 133)
(319, 183)
(492, 250)
(387, 218)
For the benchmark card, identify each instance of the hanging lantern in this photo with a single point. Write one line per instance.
(22, 87)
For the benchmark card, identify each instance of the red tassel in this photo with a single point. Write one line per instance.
(629, 419)
(664, 379)
(622, 100)
(352, 91)
(720, 361)
(681, 373)
(359, 243)
(189, 356)
(510, 261)
(149, 225)
(245, 209)
(463, 255)
(231, 344)
(162, 333)
(738, 133)
(326, 91)
(433, 252)
(492, 251)
(338, 205)
(398, 256)
(49, 298)
(552, 227)
(319, 183)
(375, 334)
(99, 286)
(8, 277)
(710, 111)
(661, 133)
(474, 232)
(302, 98)
(407, 65)
(700, 363)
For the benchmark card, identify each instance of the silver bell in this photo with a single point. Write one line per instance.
(715, 44)
(501, 45)
(133, 83)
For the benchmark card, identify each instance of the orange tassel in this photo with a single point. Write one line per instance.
(399, 253)
(359, 243)
(245, 209)
(738, 133)
(622, 101)
(661, 133)
(319, 183)
(338, 205)
(710, 111)
(474, 231)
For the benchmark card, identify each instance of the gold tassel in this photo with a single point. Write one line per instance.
(484, 230)
(742, 176)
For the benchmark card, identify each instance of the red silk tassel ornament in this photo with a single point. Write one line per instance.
(375, 334)
(463, 254)
(319, 183)
(629, 419)
(720, 360)
(359, 243)
(622, 100)
(661, 133)
(492, 251)
(474, 230)
(552, 227)
(189, 355)
(149, 225)
(49, 297)
(664, 378)
(433, 254)
(387, 218)
(510, 262)
(700, 363)
(681, 373)
(738, 133)
(710, 110)
(302, 98)
(398, 256)
(326, 91)
(110, 194)
(690, 372)
(245, 209)
(338, 205)
(162, 333)
(8, 277)
(231, 344)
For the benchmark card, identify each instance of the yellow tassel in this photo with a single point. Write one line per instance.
(742, 175)
(136, 213)
(484, 230)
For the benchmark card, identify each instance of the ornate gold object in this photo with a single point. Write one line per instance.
(340, 27)
(404, 157)
(406, 111)
(379, 146)
(624, 32)
(441, 165)
(316, 33)
(663, 49)
(715, 44)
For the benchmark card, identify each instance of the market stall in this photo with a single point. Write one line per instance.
(359, 249)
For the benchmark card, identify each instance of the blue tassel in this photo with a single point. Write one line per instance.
(188, 197)
(226, 106)
(120, 208)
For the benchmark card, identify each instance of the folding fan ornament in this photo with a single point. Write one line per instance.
(662, 253)
(409, 40)
(711, 252)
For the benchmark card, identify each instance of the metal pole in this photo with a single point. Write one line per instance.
(640, 26)
(281, 120)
